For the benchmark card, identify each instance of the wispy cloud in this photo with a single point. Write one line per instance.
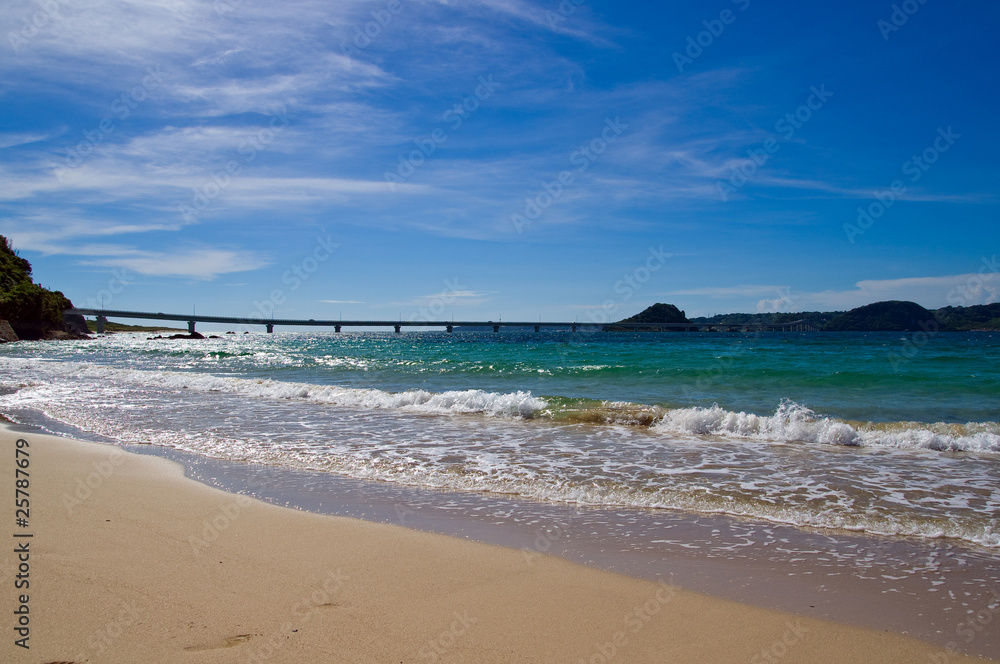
(202, 264)
(26, 138)
(85, 179)
(465, 297)
(727, 292)
(939, 291)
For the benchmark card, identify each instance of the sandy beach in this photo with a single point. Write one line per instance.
(130, 561)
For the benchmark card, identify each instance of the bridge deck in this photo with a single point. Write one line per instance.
(270, 323)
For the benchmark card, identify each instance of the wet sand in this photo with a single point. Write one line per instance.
(131, 561)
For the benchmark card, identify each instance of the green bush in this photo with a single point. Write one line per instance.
(22, 300)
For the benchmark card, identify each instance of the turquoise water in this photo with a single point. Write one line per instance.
(895, 433)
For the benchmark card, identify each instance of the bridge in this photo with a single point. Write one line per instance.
(269, 324)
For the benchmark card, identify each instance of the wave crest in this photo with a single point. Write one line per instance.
(792, 422)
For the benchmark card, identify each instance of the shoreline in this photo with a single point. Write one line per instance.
(131, 567)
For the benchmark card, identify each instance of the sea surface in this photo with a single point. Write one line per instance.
(886, 434)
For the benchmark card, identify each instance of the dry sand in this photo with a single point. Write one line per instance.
(132, 562)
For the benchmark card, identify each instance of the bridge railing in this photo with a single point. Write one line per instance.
(103, 315)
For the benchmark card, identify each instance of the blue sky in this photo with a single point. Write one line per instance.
(575, 160)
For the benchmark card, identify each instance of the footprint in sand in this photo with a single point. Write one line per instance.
(226, 643)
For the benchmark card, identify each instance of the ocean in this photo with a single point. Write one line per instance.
(870, 433)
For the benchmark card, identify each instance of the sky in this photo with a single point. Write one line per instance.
(430, 159)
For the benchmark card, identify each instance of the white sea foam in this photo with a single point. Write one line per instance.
(513, 404)
(706, 460)
(792, 422)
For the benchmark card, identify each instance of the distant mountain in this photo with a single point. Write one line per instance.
(32, 311)
(889, 316)
(976, 317)
(818, 319)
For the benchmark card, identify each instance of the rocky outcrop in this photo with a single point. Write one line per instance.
(76, 324)
(7, 333)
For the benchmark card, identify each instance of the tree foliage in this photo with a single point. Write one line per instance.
(28, 307)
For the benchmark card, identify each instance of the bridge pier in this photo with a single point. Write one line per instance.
(398, 329)
(537, 328)
(573, 328)
(101, 320)
(450, 329)
(336, 328)
(496, 328)
(270, 328)
(190, 327)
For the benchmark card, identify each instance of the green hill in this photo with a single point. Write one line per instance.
(889, 316)
(657, 314)
(976, 317)
(32, 311)
(817, 319)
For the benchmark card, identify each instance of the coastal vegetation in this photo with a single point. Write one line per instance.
(32, 311)
(888, 316)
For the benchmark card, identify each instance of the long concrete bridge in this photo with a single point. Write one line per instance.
(269, 324)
